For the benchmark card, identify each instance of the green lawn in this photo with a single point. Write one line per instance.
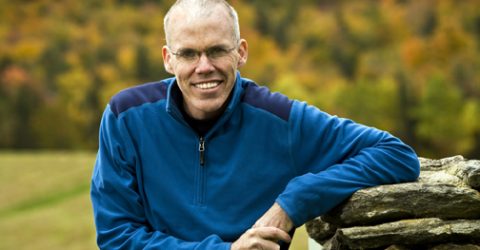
(44, 202)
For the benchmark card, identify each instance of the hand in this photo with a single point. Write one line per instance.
(263, 238)
(275, 217)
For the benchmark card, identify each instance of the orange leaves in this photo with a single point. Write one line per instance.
(414, 52)
(13, 77)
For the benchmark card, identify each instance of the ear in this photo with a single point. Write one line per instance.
(167, 63)
(243, 52)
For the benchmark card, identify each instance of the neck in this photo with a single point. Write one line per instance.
(200, 115)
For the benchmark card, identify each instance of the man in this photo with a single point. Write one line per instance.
(210, 160)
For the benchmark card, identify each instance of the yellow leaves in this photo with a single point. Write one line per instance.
(90, 34)
(289, 83)
(73, 83)
(448, 41)
(393, 19)
(321, 24)
(73, 88)
(266, 61)
(247, 14)
(126, 58)
(26, 50)
(357, 19)
(73, 58)
(107, 72)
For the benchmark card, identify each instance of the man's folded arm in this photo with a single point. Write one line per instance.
(337, 158)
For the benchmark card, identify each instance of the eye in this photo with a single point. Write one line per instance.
(188, 54)
(216, 52)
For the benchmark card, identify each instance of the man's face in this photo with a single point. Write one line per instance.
(205, 81)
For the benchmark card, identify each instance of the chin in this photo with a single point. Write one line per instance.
(211, 108)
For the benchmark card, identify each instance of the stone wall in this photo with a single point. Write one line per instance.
(439, 211)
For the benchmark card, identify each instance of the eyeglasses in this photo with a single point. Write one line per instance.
(193, 56)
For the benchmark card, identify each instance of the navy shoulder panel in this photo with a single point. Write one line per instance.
(138, 95)
(261, 97)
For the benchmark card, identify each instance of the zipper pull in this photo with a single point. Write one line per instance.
(201, 149)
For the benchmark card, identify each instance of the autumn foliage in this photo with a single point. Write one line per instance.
(409, 67)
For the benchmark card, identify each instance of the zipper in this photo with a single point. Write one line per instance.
(200, 174)
(201, 149)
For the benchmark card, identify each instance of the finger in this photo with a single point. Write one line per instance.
(272, 233)
(252, 240)
(269, 245)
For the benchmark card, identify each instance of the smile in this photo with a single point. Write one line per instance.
(206, 85)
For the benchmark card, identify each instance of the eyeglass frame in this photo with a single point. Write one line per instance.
(198, 53)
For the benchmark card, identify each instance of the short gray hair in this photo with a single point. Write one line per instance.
(202, 8)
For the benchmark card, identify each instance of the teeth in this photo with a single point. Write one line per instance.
(207, 85)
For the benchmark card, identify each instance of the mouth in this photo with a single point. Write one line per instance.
(207, 85)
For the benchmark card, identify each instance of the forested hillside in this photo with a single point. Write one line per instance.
(409, 67)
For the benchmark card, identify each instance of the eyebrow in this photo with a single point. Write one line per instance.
(223, 46)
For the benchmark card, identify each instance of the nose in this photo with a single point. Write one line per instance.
(204, 65)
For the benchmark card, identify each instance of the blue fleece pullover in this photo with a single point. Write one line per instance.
(158, 185)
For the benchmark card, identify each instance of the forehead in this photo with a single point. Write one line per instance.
(190, 30)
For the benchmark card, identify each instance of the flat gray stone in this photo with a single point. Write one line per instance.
(407, 200)
(409, 232)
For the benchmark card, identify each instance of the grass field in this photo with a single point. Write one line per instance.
(45, 204)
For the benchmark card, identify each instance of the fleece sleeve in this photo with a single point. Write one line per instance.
(335, 157)
(119, 214)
